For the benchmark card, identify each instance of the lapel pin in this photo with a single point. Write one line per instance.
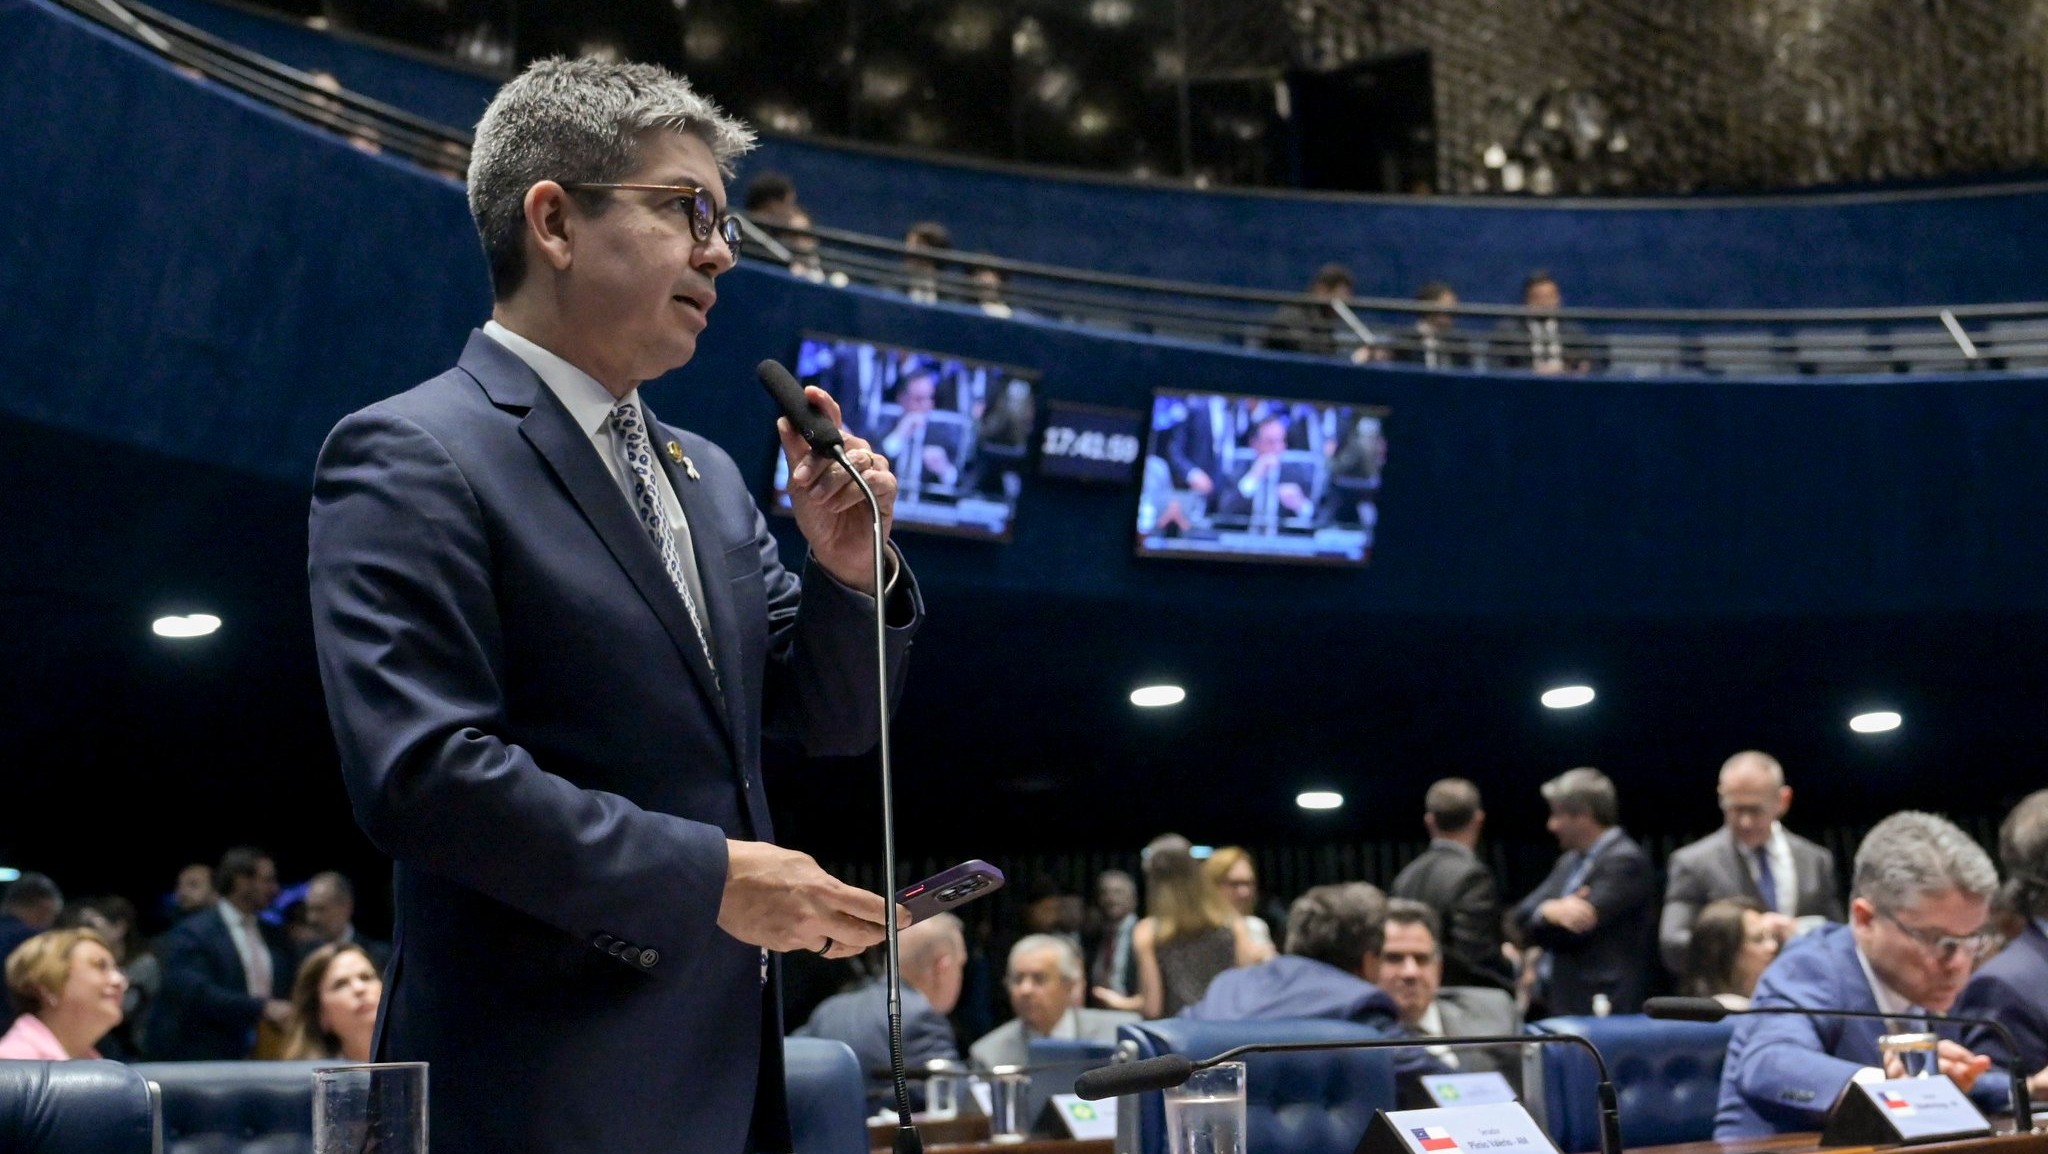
(690, 469)
(675, 452)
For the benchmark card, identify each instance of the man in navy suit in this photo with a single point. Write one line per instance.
(1920, 898)
(1594, 916)
(2012, 988)
(554, 634)
(225, 969)
(1334, 934)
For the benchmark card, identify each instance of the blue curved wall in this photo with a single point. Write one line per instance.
(210, 280)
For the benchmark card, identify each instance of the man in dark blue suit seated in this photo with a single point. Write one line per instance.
(2012, 988)
(1917, 916)
(555, 634)
(933, 954)
(1334, 934)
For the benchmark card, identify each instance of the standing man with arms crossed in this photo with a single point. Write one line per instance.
(554, 632)
(1752, 855)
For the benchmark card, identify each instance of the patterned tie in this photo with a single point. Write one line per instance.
(632, 434)
(1766, 882)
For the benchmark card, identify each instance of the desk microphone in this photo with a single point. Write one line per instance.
(1169, 1070)
(1709, 1010)
(825, 439)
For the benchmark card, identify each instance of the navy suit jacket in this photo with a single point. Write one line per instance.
(860, 1018)
(1784, 1071)
(1616, 956)
(528, 727)
(2012, 989)
(204, 1010)
(1294, 987)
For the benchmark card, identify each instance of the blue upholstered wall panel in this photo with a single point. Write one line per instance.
(195, 275)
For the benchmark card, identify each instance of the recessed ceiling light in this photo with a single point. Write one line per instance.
(1568, 696)
(1154, 696)
(190, 625)
(1878, 722)
(1319, 799)
(9, 874)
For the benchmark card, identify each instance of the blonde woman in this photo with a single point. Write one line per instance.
(334, 1005)
(68, 991)
(1230, 870)
(1188, 935)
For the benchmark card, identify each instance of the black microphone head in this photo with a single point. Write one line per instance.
(1685, 1009)
(804, 417)
(1140, 1077)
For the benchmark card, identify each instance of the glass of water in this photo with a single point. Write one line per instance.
(1205, 1114)
(380, 1107)
(1007, 1087)
(1916, 1052)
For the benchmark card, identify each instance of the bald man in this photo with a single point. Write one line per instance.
(934, 957)
(1752, 856)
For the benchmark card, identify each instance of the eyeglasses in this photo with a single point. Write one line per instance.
(1942, 946)
(694, 202)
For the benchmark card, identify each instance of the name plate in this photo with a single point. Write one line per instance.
(1482, 1089)
(1481, 1129)
(1902, 1110)
(1078, 1119)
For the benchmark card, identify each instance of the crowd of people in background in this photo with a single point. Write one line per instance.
(1752, 913)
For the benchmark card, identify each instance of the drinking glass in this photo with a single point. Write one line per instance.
(1916, 1052)
(1205, 1114)
(380, 1107)
(1007, 1085)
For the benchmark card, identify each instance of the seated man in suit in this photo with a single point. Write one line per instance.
(1751, 856)
(1412, 973)
(1044, 978)
(1267, 490)
(932, 954)
(2012, 987)
(331, 914)
(1921, 899)
(927, 452)
(1542, 342)
(1334, 934)
(1450, 879)
(1593, 916)
(225, 969)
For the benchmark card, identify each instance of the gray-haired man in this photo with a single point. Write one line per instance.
(1044, 979)
(1594, 917)
(1920, 901)
(553, 630)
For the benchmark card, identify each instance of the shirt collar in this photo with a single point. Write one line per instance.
(233, 914)
(1889, 1001)
(1431, 1022)
(589, 403)
(1601, 843)
(1454, 846)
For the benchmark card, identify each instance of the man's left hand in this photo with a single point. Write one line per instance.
(829, 508)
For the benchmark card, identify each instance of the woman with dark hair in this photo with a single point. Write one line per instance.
(1731, 944)
(334, 1004)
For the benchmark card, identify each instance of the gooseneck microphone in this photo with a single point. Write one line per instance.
(1709, 1010)
(824, 438)
(1169, 1070)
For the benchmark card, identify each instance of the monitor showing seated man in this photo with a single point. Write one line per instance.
(955, 430)
(1261, 478)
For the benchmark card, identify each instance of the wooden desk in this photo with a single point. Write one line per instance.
(1997, 1143)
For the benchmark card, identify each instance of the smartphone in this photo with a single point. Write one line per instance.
(942, 891)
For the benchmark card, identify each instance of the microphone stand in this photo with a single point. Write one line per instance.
(907, 1139)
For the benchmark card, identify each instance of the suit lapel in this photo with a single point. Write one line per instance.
(553, 433)
(709, 549)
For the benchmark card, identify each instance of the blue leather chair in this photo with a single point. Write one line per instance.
(828, 1098)
(1667, 1076)
(1312, 1103)
(88, 1106)
(236, 1107)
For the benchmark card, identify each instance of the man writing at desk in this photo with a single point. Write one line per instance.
(1920, 901)
(554, 633)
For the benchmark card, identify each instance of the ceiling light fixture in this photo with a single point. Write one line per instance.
(1881, 721)
(1319, 799)
(1155, 696)
(1567, 696)
(190, 625)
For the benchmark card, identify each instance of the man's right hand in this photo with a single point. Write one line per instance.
(782, 900)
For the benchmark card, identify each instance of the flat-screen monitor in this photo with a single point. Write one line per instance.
(1257, 478)
(956, 430)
